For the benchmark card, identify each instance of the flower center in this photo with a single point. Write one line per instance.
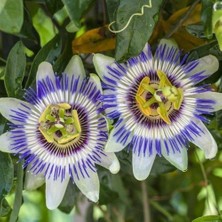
(158, 99)
(58, 123)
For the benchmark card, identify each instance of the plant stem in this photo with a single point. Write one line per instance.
(118, 214)
(104, 12)
(158, 207)
(146, 207)
(105, 214)
(2, 60)
(206, 183)
(18, 194)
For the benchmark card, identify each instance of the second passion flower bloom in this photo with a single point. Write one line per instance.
(59, 132)
(159, 105)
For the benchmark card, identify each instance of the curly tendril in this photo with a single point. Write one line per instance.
(128, 22)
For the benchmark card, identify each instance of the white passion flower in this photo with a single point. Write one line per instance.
(158, 105)
(59, 132)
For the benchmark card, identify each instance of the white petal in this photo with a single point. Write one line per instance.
(75, 67)
(142, 165)
(169, 42)
(101, 62)
(205, 141)
(110, 162)
(112, 144)
(5, 142)
(55, 190)
(166, 57)
(178, 159)
(44, 70)
(33, 181)
(96, 80)
(89, 186)
(9, 104)
(215, 96)
(208, 63)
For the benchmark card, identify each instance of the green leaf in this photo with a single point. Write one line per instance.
(2, 4)
(6, 174)
(48, 53)
(215, 218)
(117, 185)
(71, 27)
(54, 5)
(2, 73)
(106, 195)
(65, 55)
(2, 89)
(161, 166)
(18, 193)
(4, 208)
(89, 214)
(44, 26)
(206, 17)
(131, 41)
(28, 32)
(76, 9)
(15, 70)
(69, 199)
(11, 14)
(196, 30)
(210, 48)
(112, 6)
(2, 124)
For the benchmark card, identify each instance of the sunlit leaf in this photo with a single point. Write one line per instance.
(216, 22)
(215, 218)
(44, 26)
(71, 27)
(2, 4)
(11, 14)
(95, 40)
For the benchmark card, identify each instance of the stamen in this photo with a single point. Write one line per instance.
(164, 81)
(164, 94)
(178, 102)
(149, 102)
(59, 124)
(161, 110)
